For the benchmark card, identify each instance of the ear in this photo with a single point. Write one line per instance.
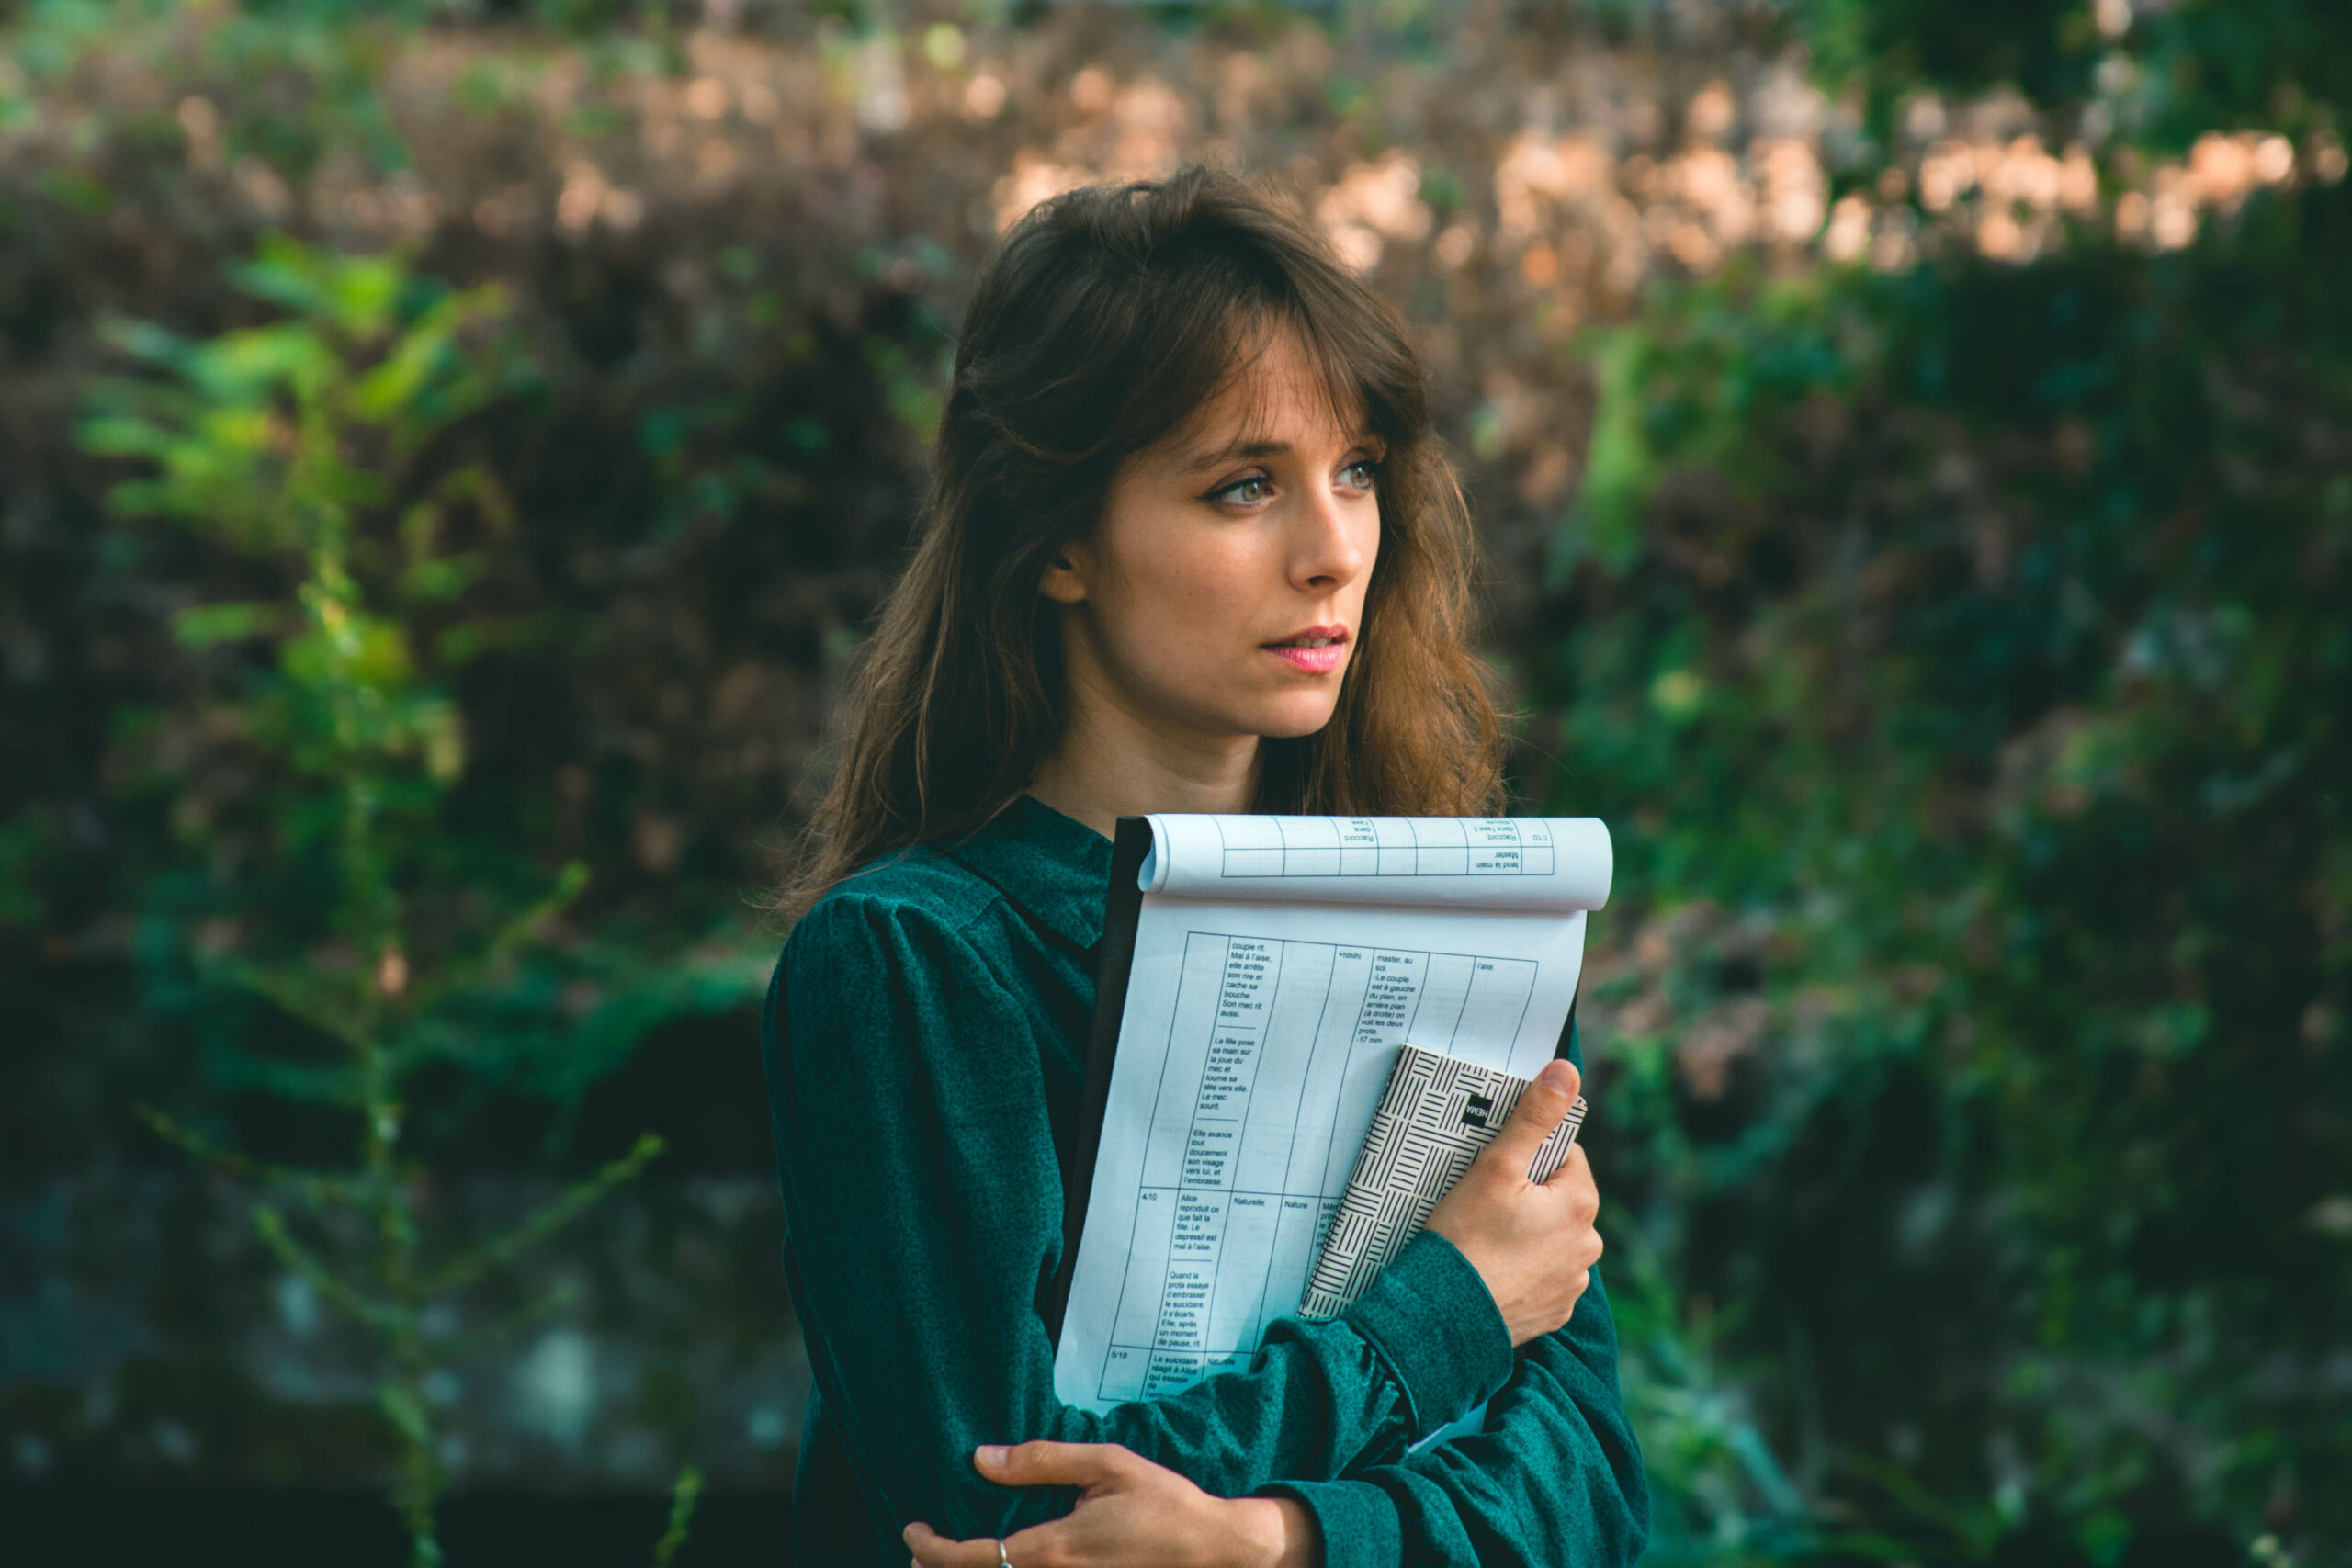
(1068, 573)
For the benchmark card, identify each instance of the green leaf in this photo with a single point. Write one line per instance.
(70, 188)
(210, 624)
(406, 1412)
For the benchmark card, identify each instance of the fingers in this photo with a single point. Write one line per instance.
(1085, 1465)
(1061, 1541)
(1042, 1546)
(933, 1549)
(1036, 1547)
(1547, 1099)
(1051, 1464)
(1575, 1179)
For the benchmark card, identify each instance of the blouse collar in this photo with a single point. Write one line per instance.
(1056, 868)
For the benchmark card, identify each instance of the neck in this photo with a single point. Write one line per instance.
(1113, 762)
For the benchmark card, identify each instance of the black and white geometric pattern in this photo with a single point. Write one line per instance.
(1435, 1115)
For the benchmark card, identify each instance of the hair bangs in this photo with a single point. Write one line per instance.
(1365, 387)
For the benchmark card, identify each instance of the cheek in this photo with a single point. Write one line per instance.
(1190, 591)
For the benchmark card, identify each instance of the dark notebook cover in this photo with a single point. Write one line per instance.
(1122, 908)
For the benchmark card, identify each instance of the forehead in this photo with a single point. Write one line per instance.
(1276, 392)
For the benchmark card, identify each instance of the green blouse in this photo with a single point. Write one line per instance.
(923, 1041)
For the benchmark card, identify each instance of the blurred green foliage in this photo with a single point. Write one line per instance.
(351, 908)
(2170, 69)
(1964, 649)
(436, 574)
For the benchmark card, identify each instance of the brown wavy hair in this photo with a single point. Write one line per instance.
(1104, 321)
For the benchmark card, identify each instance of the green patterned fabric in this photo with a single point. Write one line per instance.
(923, 1041)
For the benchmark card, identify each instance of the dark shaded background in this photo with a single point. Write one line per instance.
(1913, 450)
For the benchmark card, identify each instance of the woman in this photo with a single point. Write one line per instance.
(1190, 546)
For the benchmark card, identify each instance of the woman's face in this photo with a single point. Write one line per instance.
(1222, 594)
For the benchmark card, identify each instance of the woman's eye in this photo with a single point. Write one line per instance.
(1367, 469)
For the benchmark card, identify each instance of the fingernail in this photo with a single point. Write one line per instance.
(1556, 1074)
(991, 1455)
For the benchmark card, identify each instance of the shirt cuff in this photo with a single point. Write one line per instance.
(1431, 1320)
(1358, 1520)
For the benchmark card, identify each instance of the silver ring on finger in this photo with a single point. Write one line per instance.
(1001, 1560)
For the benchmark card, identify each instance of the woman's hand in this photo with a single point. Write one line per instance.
(1132, 1513)
(1533, 1243)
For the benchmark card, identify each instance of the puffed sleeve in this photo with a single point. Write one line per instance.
(1556, 1476)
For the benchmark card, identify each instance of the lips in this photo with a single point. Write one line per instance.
(1316, 651)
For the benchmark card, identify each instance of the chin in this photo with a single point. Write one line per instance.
(1288, 721)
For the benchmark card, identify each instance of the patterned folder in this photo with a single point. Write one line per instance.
(1435, 1115)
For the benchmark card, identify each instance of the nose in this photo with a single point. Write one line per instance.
(1333, 539)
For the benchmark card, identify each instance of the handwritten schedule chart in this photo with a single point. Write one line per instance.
(1275, 1044)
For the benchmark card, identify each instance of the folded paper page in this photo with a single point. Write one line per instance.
(1509, 862)
(1278, 966)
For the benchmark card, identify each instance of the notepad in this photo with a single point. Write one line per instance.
(1435, 1117)
(1259, 979)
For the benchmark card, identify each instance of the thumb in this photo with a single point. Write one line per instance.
(1047, 1464)
(1545, 1100)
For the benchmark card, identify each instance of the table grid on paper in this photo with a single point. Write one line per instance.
(1240, 1174)
(1386, 846)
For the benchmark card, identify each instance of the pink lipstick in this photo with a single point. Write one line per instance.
(1316, 651)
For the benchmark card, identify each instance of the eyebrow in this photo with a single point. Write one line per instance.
(1240, 450)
